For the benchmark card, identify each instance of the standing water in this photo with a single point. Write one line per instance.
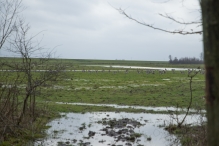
(109, 129)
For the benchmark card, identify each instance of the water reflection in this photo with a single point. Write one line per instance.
(66, 130)
(69, 127)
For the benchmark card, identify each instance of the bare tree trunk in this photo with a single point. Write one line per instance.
(23, 109)
(210, 16)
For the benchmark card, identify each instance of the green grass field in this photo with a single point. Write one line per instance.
(128, 89)
(118, 87)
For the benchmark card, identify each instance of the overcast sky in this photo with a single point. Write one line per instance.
(94, 29)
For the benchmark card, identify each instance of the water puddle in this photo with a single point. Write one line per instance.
(108, 128)
(138, 85)
(113, 87)
(148, 108)
(165, 79)
(67, 79)
(105, 80)
(11, 86)
(83, 88)
(58, 87)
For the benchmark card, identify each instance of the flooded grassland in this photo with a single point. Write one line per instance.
(97, 101)
(118, 106)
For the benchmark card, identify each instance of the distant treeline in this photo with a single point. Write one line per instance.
(185, 60)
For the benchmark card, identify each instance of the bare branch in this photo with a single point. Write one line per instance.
(180, 22)
(182, 32)
(9, 11)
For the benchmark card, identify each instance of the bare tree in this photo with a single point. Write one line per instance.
(22, 45)
(9, 14)
(21, 78)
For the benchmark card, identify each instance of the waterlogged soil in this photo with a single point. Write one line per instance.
(109, 128)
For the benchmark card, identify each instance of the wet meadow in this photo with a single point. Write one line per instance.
(125, 86)
(118, 91)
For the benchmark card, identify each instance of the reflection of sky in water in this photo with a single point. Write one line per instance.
(68, 127)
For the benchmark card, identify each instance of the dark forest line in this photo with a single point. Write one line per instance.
(186, 60)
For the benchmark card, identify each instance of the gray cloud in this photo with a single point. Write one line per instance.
(93, 29)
